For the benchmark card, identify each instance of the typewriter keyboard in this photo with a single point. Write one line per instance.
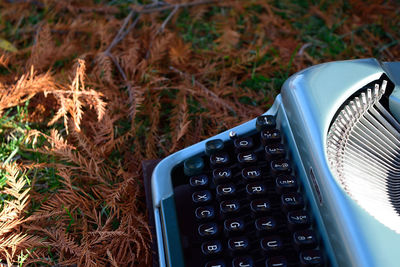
(240, 204)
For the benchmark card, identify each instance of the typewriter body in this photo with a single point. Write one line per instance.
(317, 109)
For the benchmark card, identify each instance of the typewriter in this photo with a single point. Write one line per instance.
(314, 181)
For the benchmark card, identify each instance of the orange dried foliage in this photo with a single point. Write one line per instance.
(148, 94)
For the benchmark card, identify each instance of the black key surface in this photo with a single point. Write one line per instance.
(229, 206)
(245, 261)
(232, 226)
(222, 176)
(219, 159)
(285, 183)
(238, 244)
(193, 166)
(271, 243)
(208, 229)
(225, 190)
(280, 166)
(298, 219)
(251, 173)
(260, 206)
(243, 143)
(274, 151)
(277, 261)
(200, 181)
(265, 122)
(201, 196)
(270, 136)
(311, 258)
(304, 239)
(216, 263)
(265, 224)
(256, 189)
(211, 247)
(205, 213)
(246, 158)
(292, 201)
(213, 146)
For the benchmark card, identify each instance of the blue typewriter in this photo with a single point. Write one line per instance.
(314, 181)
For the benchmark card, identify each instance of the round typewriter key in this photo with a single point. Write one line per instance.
(229, 206)
(211, 247)
(259, 206)
(292, 201)
(251, 173)
(193, 166)
(298, 219)
(274, 151)
(285, 183)
(238, 244)
(216, 263)
(304, 239)
(270, 136)
(244, 261)
(265, 122)
(200, 181)
(204, 213)
(280, 166)
(226, 190)
(247, 158)
(202, 196)
(213, 146)
(208, 229)
(243, 144)
(271, 243)
(232, 226)
(265, 224)
(219, 159)
(311, 258)
(277, 261)
(256, 189)
(222, 176)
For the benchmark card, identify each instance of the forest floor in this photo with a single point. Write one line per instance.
(91, 88)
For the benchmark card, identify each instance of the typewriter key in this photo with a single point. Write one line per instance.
(270, 136)
(225, 191)
(298, 219)
(213, 146)
(247, 158)
(285, 183)
(216, 263)
(232, 226)
(265, 122)
(265, 224)
(310, 258)
(304, 239)
(201, 196)
(292, 201)
(238, 244)
(219, 159)
(256, 189)
(243, 144)
(222, 176)
(208, 229)
(244, 261)
(193, 166)
(277, 261)
(204, 213)
(252, 173)
(211, 247)
(271, 243)
(197, 182)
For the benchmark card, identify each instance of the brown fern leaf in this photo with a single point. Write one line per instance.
(25, 88)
